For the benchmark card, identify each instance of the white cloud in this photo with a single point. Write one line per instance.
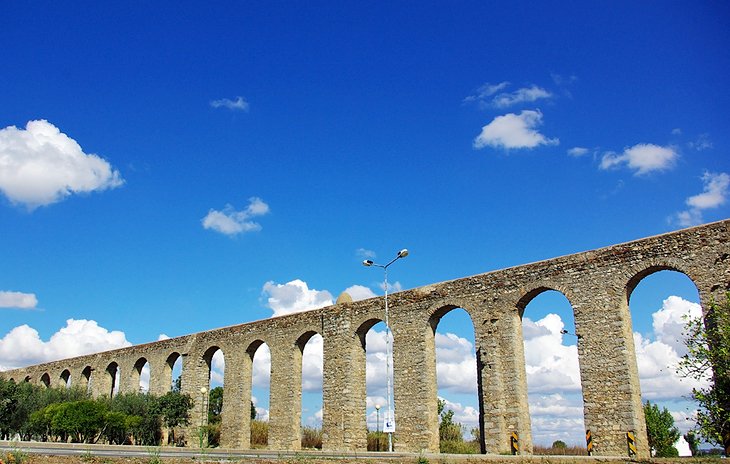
(514, 131)
(456, 363)
(294, 297)
(523, 95)
(18, 300)
(657, 356)
(486, 91)
(40, 165)
(491, 95)
(550, 365)
(642, 158)
(261, 375)
(715, 194)
(239, 104)
(231, 222)
(22, 346)
(360, 292)
(577, 151)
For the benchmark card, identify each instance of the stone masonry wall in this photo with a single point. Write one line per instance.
(597, 284)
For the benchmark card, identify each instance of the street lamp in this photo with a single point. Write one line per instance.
(389, 425)
(203, 391)
(377, 427)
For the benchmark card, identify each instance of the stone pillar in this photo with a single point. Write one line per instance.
(609, 374)
(490, 386)
(414, 385)
(236, 414)
(160, 374)
(285, 400)
(344, 426)
(195, 376)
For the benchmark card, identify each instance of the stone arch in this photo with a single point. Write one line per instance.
(27, 379)
(566, 349)
(86, 378)
(110, 385)
(136, 381)
(310, 345)
(435, 315)
(11, 379)
(46, 380)
(64, 379)
(169, 368)
(537, 289)
(638, 274)
(249, 378)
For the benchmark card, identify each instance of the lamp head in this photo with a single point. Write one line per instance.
(403, 253)
(377, 407)
(367, 263)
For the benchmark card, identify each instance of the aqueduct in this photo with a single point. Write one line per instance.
(597, 283)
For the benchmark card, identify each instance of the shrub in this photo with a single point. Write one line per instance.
(377, 441)
(259, 434)
(311, 438)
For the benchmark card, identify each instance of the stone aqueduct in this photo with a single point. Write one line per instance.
(597, 284)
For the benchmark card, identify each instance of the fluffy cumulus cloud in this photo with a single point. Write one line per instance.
(23, 346)
(238, 104)
(294, 297)
(658, 354)
(40, 165)
(642, 158)
(514, 131)
(231, 222)
(714, 194)
(18, 300)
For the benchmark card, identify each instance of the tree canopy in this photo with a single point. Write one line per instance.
(708, 360)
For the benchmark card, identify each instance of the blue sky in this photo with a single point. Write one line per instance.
(210, 150)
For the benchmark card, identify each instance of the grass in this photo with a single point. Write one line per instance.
(560, 451)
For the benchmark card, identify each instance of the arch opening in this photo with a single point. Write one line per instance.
(86, 379)
(260, 356)
(552, 368)
(141, 375)
(456, 381)
(114, 373)
(312, 348)
(659, 299)
(212, 403)
(378, 390)
(46, 380)
(173, 371)
(64, 379)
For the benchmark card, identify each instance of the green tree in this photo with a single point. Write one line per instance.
(174, 408)
(215, 405)
(660, 430)
(708, 360)
(253, 411)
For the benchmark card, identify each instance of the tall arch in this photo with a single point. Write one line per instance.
(552, 368)
(257, 382)
(371, 370)
(46, 380)
(86, 379)
(310, 345)
(173, 369)
(457, 385)
(140, 380)
(64, 380)
(110, 384)
(658, 299)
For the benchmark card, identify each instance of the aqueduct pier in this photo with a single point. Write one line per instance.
(597, 284)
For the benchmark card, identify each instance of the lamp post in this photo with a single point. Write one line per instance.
(389, 425)
(377, 427)
(203, 391)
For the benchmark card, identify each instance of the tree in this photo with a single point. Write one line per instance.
(215, 405)
(660, 430)
(708, 360)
